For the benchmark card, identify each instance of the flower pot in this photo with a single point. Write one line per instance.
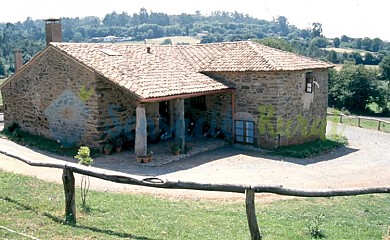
(176, 152)
(118, 149)
(144, 159)
(107, 151)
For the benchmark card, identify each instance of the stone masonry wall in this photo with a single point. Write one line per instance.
(53, 97)
(303, 114)
(274, 99)
(57, 98)
(218, 114)
(117, 113)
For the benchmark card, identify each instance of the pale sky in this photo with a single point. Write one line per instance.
(355, 18)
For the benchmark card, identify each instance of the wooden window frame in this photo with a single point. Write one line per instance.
(244, 136)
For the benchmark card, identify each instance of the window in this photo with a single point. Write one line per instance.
(199, 103)
(309, 82)
(245, 131)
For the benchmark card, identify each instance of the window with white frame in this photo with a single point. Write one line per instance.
(245, 131)
(309, 82)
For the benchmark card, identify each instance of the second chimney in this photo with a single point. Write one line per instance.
(53, 30)
(18, 60)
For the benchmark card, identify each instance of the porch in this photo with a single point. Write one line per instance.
(189, 117)
(161, 153)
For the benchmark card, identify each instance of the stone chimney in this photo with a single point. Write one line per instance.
(53, 30)
(18, 60)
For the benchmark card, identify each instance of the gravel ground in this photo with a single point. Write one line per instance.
(365, 162)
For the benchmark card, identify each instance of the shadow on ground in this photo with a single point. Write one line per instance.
(61, 221)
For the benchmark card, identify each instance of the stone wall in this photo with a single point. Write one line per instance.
(57, 98)
(303, 114)
(117, 113)
(53, 97)
(217, 115)
(275, 102)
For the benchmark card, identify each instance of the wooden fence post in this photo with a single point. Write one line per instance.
(251, 215)
(341, 118)
(70, 196)
(379, 125)
(359, 122)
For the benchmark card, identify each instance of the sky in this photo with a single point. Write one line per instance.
(354, 18)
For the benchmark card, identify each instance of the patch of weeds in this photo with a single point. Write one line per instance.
(387, 237)
(311, 149)
(15, 134)
(314, 227)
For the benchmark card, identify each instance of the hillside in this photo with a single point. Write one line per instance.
(154, 28)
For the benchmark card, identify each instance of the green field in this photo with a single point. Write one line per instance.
(33, 207)
(348, 50)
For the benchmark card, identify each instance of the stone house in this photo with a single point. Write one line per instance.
(89, 93)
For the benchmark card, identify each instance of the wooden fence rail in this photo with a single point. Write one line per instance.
(359, 118)
(248, 189)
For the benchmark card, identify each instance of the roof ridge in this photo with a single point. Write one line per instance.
(270, 61)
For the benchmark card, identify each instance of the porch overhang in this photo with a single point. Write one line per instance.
(187, 95)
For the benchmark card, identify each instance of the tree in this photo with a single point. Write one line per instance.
(318, 42)
(2, 68)
(376, 44)
(357, 43)
(357, 57)
(167, 41)
(384, 67)
(83, 155)
(353, 87)
(332, 57)
(316, 29)
(336, 42)
(276, 43)
(282, 25)
(345, 38)
(366, 44)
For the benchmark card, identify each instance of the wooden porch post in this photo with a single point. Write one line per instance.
(180, 123)
(251, 215)
(141, 134)
(70, 201)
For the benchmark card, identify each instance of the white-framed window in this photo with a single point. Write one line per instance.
(245, 131)
(309, 78)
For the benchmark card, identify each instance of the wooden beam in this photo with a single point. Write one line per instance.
(251, 215)
(70, 195)
(156, 182)
(184, 96)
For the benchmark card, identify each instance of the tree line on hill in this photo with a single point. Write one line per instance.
(219, 26)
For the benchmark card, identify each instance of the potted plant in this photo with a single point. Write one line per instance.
(175, 149)
(108, 148)
(145, 158)
(118, 144)
(187, 148)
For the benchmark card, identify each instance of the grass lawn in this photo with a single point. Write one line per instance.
(311, 149)
(34, 207)
(370, 124)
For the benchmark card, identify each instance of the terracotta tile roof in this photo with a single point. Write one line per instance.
(240, 56)
(146, 75)
(176, 70)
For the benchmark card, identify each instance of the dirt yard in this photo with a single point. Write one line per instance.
(364, 163)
